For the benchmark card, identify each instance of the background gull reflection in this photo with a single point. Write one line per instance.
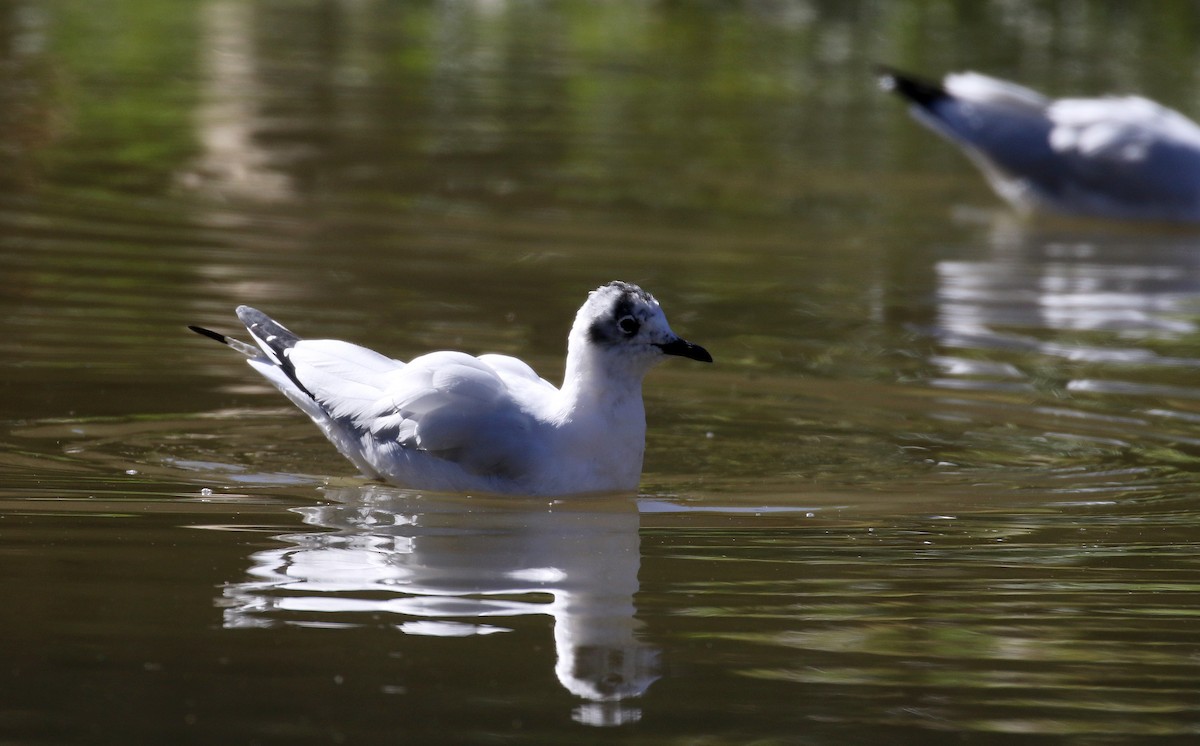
(1137, 284)
(1073, 339)
(1085, 297)
(449, 567)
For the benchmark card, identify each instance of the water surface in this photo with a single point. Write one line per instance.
(939, 486)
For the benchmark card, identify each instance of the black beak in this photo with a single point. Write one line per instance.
(684, 348)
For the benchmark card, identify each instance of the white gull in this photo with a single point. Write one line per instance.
(1124, 158)
(450, 421)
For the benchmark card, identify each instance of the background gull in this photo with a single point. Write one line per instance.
(1113, 157)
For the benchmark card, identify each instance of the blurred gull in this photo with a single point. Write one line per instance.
(1115, 157)
(449, 421)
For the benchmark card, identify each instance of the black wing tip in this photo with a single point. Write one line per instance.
(268, 330)
(918, 90)
(276, 340)
(209, 333)
(271, 334)
(250, 316)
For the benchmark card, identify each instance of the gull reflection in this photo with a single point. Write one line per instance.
(1067, 278)
(452, 566)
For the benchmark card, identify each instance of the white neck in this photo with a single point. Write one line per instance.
(601, 420)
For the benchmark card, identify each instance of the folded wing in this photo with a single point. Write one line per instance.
(1123, 157)
(1137, 152)
(471, 411)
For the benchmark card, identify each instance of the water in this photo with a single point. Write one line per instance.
(939, 486)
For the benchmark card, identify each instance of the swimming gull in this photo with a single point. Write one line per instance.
(450, 421)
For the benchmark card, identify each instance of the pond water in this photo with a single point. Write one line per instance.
(942, 483)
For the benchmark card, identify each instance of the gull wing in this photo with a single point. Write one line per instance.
(1130, 149)
(1000, 124)
(1122, 157)
(477, 413)
(449, 404)
(522, 381)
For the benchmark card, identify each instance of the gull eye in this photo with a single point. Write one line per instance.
(629, 325)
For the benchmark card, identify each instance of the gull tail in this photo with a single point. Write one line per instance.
(246, 349)
(919, 91)
(274, 343)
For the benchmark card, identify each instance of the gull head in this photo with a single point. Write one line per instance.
(621, 329)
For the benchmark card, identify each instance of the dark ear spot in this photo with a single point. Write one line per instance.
(599, 333)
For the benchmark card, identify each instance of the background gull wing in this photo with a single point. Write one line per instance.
(1132, 150)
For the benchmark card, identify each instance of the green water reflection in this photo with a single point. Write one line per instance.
(526, 106)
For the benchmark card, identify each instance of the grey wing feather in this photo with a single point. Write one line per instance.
(449, 404)
(457, 407)
(454, 406)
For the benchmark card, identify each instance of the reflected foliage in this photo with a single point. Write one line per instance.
(744, 110)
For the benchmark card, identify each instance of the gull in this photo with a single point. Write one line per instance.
(1125, 158)
(449, 421)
